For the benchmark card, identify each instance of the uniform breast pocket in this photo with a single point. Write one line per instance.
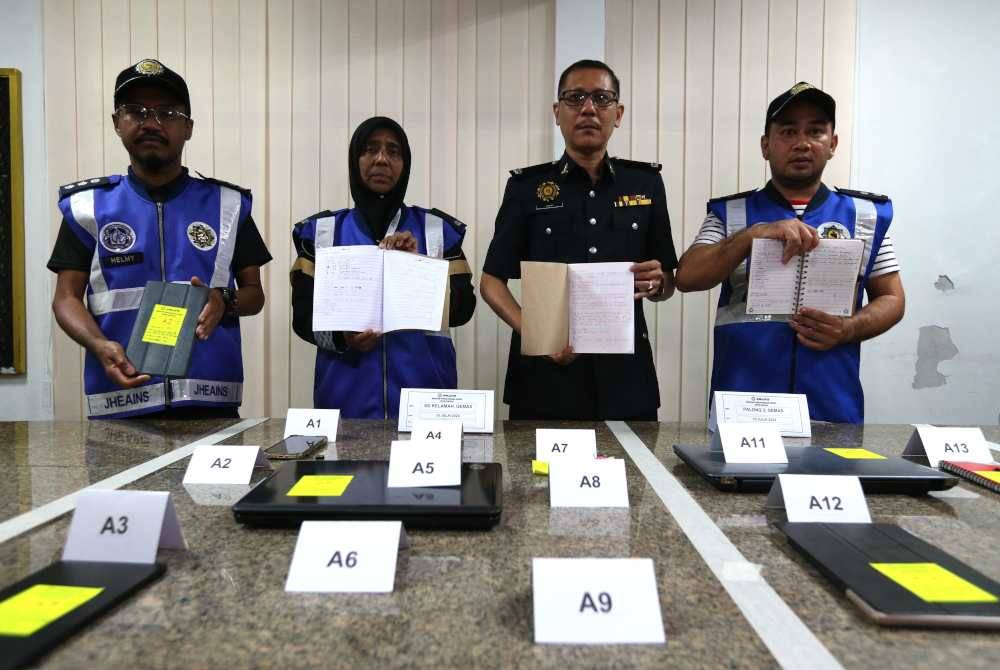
(549, 235)
(630, 225)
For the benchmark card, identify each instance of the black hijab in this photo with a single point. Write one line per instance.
(377, 209)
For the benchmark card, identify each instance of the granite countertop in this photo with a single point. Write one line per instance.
(464, 598)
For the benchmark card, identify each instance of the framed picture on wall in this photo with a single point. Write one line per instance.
(13, 338)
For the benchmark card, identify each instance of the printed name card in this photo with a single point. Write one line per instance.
(437, 432)
(596, 483)
(223, 464)
(419, 463)
(596, 601)
(789, 412)
(345, 557)
(556, 443)
(820, 498)
(122, 527)
(300, 421)
(750, 443)
(939, 443)
(473, 408)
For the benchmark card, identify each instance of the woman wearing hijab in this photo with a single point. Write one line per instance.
(361, 374)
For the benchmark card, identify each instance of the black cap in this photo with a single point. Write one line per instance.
(801, 91)
(152, 72)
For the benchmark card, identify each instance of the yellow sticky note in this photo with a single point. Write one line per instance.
(330, 486)
(539, 467)
(933, 583)
(862, 454)
(992, 475)
(164, 325)
(39, 605)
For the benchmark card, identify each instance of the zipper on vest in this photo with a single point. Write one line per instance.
(385, 379)
(163, 277)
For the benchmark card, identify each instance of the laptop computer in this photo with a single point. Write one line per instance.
(50, 605)
(360, 493)
(897, 579)
(888, 474)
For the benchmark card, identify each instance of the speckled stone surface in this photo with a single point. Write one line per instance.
(463, 599)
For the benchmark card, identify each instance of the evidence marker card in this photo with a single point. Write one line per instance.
(163, 334)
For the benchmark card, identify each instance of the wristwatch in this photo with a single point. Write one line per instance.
(230, 301)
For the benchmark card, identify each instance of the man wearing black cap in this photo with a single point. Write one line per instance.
(157, 222)
(361, 374)
(811, 352)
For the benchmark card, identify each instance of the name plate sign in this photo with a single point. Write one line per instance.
(345, 557)
(750, 443)
(415, 463)
(565, 443)
(820, 498)
(301, 421)
(789, 412)
(596, 601)
(473, 408)
(223, 464)
(596, 483)
(122, 527)
(940, 443)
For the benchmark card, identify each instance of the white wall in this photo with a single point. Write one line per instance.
(30, 396)
(927, 134)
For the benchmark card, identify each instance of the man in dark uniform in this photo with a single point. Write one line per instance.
(585, 207)
(156, 223)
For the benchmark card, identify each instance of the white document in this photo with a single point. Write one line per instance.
(363, 287)
(601, 308)
(944, 443)
(789, 412)
(597, 483)
(824, 278)
(437, 432)
(122, 526)
(223, 464)
(416, 463)
(304, 421)
(571, 443)
(750, 443)
(820, 498)
(596, 601)
(473, 408)
(345, 557)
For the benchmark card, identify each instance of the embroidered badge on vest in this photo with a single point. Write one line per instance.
(201, 235)
(831, 230)
(117, 237)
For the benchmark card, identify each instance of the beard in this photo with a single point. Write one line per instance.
(153, 162)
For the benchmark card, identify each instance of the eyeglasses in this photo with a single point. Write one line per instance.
(391, 151)
(578, 98)
(138, 114)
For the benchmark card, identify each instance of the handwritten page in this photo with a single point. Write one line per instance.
(544, 308)
(415, 289)
(830, 276)
(773, 285)
(348, 289)
(601, 308)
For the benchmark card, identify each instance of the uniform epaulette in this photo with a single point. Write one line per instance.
(452, 221)
(864, 195)
(85, 184)
(320, 215)
(642, 165)
(734, 196)
(213, 180)
(533, 169)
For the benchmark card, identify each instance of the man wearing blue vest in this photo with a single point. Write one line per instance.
(156, 222)
(361, 374)
(810, 352)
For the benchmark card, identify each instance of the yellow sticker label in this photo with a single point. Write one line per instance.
(992, 475)
(39, 605)
(330, 486)
(164, 325)
(933, 583)
(862, 454)
(539, 467)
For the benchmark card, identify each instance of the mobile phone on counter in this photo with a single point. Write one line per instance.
(296, 447)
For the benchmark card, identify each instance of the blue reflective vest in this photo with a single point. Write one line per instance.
(135, 240)
(366, 385)
(764, 356)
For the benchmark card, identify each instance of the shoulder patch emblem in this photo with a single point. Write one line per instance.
(201, 235)
(117, 237)
(864, 195)
(832, 230)
(547, 191)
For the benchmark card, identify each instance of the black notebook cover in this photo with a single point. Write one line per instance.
(164, 328)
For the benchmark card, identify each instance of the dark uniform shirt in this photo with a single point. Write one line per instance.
(552, 212)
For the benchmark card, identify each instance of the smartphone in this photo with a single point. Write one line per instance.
(296, 446)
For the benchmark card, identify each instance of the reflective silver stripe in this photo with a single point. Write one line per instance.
(865, 217)
(81, 204)
(206, 390)
(394, 224)
(117, 300)
(434, 235)
(125, 400)
(735, 311)
(229, 215)
(325, 229)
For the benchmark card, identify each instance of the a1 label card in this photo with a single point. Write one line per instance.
(345, 557)
(597, 483)
(576, 443)
(751, 443)
(301, 421)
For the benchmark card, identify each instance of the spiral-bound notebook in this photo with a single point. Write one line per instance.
(824, 279)
(984, 474)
